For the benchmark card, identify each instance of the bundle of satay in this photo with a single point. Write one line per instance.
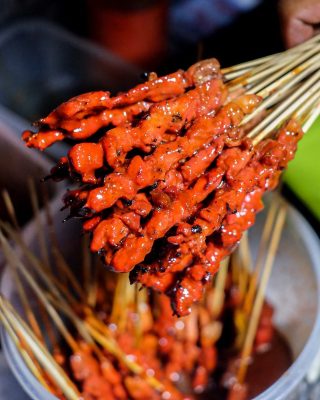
(86, 333)
(171, 173)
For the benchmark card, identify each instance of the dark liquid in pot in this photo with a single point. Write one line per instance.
(267, 367)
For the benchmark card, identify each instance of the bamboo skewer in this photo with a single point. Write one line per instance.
(276, 63)
(27, 357)
(271, 95)
(311, 118)
(51, 282)
(21, 292)
(128, 362)
(249, 65)
(10, 208)
(40, 231)
(310, 103)
(257, 307)
(295, 66)
(24, 300)
(246, 65)
(244, 258)
(219, 288)
(43, 356)
(12, 259)
(286, 109)
(65, 273)
(248, 301)
(122, 301)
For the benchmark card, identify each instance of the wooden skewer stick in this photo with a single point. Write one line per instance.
(44, 298)
(21, 292)
(247, 65)
(263, 60)
(272, 93)
(258, 304)
(123, 300)
(53, 284)
(13, 259)
(219, 288)
(39, 226)
(296, 66)
(266, 233)
(25, 353)
(10, 208)
(48, 328)
(25, 302)
(260, 74)
(245, 264)
(311, 118)
(278, 61)
(79, 324)
(310, 104)
(286, 109)
(113, 348)
(44, 357)
(230, 76)
(61, 264)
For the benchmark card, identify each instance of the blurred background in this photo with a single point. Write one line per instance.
(163, 33)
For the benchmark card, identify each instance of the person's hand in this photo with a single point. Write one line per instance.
(300, 20)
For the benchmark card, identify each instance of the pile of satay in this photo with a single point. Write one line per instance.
(171, 173)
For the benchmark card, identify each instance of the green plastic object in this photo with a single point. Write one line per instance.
(303, 173)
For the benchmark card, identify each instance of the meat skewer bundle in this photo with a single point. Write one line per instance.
(173, 171)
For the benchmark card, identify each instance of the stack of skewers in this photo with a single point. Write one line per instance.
(171, 174)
